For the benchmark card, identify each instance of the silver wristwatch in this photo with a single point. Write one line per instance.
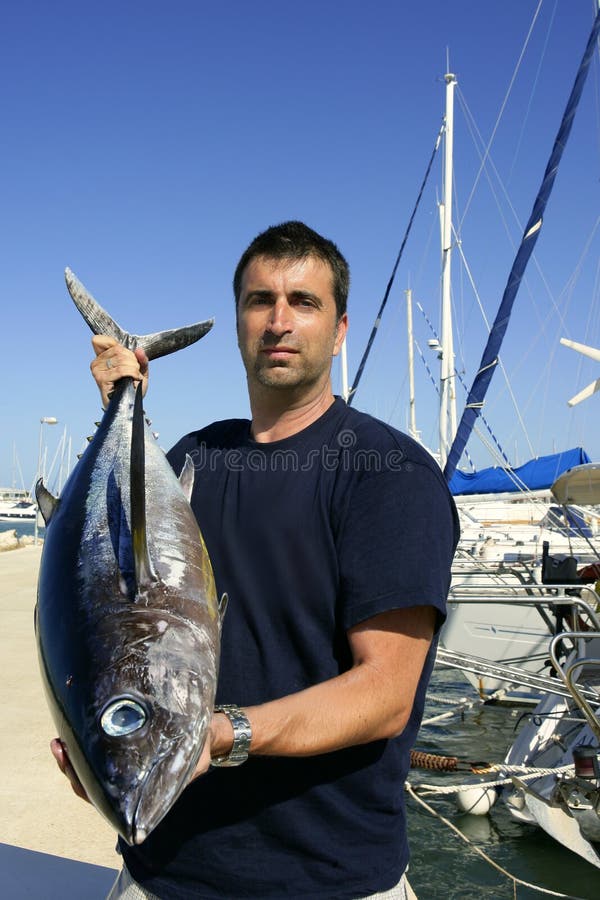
(242, 736)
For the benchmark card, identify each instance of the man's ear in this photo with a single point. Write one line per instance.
(341, 331)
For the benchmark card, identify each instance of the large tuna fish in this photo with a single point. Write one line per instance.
(127, 619)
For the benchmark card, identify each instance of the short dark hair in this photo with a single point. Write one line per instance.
(294, 241)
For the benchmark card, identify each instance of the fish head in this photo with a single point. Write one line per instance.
(146, 720)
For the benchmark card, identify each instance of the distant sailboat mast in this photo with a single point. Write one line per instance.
(447, 424)
(344, 371)
(412, 427)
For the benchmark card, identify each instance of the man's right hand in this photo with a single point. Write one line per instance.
(60, 755)
(113, 361)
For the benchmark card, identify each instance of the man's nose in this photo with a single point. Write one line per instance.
(280, 319)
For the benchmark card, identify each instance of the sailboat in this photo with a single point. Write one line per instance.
(512, 526)
(548, 644)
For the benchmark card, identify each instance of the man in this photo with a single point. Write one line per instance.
(332, 534)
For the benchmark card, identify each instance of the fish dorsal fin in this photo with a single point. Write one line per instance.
(144, 571)
(47, 502)
(160, 343)
(186, 477)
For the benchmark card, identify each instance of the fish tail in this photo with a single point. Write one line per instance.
(160, 343)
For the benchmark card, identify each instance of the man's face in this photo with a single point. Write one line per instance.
(287, 322)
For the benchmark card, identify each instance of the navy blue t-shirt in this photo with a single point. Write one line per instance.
(308, 536)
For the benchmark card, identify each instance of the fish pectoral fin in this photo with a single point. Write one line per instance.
(223, 608)
(47, 502)
(186, 478)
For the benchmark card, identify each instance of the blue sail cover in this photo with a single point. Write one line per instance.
(489, 360)
(535, 475)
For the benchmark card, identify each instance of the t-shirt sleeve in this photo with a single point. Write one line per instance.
(396, 543)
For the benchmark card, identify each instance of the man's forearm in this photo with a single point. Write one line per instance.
(350, 709)
(371, 701)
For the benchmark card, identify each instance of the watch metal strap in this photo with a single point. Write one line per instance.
(242, 736)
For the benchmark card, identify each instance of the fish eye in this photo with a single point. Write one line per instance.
(123, 716)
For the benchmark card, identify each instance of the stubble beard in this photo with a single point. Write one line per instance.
(284, 377)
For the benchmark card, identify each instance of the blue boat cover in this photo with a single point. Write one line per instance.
(535, 475)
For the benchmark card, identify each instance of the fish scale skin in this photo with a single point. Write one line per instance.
(97, 641)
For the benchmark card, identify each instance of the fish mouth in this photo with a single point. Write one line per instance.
(154, 802)
(138, 835)
(146, 815)
(139, 826)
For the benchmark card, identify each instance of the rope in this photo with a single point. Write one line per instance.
(447, 715)
(435, 698)
(479, 769)
(513, 878)
(458, 706)
(421, 760)
(432, 790)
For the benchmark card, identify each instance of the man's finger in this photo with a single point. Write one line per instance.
(142, 359)
(102, 342)
(58, 752)
(60, 755)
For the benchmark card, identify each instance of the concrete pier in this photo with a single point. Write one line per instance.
(38, 810)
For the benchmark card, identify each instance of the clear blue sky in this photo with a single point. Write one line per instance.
(144, 144)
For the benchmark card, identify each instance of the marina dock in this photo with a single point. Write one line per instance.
(43, 825)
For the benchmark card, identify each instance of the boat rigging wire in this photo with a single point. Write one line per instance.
(500, 114)
(503, 460)
(525, 117)
(477, 143)
(464, 386)
(500, 363)
(538, 394)
(363, 361)
(554, 308)
(488, 362)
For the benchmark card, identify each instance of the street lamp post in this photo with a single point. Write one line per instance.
(45, 420)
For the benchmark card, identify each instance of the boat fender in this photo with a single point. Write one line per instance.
(476, 800)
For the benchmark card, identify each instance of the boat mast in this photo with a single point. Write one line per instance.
(447, 387)
(412, 427)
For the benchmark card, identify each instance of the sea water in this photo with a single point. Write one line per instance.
(22, 528)
(442, 865)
